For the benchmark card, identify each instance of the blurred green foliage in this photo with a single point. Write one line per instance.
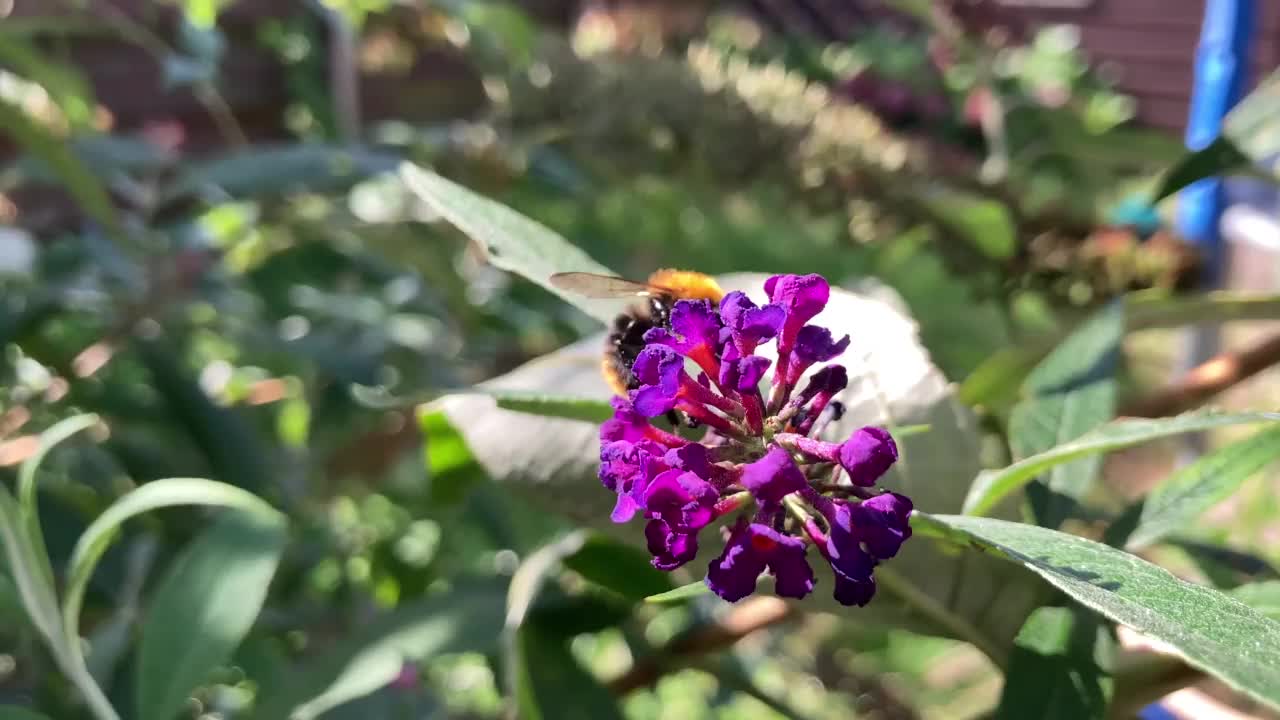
(266, 309)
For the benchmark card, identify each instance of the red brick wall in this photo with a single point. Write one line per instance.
(1150, 47)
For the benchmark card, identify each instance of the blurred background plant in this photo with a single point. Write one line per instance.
(203, 244)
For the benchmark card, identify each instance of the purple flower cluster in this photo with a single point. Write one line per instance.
(759, 458)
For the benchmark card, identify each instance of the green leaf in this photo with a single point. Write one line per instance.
(552, 685)
(271, 170)
(1211, 631)
(1060, 669)
(236, 453)
(624, 569)
(467, 618)
(1223, 566)
(1263, 597)
(13, 712)
(153, 496)
(680, 594)
(1253, 124)
(985, 224)
(1179, 500)
(1071, 391)
(995, 379)
(509, 240)
(35, 588)
(27, 482)
(592, 410)
(213, 592)
(1220, 157)
(993, 486)
(451, 469)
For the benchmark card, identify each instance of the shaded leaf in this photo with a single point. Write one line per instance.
(170, 492)
(680, 594)
(1263, 597)
(63, 163)
(993, 486)
(269, 170)
(1186, 494)
(235, 453)
(624, 569)
(509, 240)
(213, 592)
(1224, 566)
(996, 379)
(1220, 157)
(551, 685)
(468, 618)
(1071, 391)
(13, 712)
(1061, 667)
(984, 223)
(1210, 630)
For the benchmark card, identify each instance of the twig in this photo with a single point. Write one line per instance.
(755, 614)
(1206, 380)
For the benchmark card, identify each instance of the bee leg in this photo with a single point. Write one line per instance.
(691, 423)
(673, 418)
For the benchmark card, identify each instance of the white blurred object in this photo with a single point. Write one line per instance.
(17, 252)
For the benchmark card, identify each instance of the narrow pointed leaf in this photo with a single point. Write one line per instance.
(993, 486)
(680, 594)
(1178, 501)
(153, 496)
(508, 239)
(1060, 668)
(1263, 597)
(469, 618)
(592, 410)
(213, 592)
(1070, 392)
(552, 685)
(1209, 629)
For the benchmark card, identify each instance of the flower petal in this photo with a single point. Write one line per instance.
(772, 477)
(867, 455)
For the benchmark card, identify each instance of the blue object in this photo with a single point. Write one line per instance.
(1156, 712)
(1221, 68)
(1137, 213)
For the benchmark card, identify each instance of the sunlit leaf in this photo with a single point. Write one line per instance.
(509, 240)
(680, 594)
(1175, 504)
(1070, 392)
(993, 486)
(1210, 630)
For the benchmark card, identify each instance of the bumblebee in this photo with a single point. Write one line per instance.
(626, 337)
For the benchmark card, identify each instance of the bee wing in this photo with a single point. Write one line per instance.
(593, 285)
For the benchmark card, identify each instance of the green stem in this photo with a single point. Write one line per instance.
(927, 606)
